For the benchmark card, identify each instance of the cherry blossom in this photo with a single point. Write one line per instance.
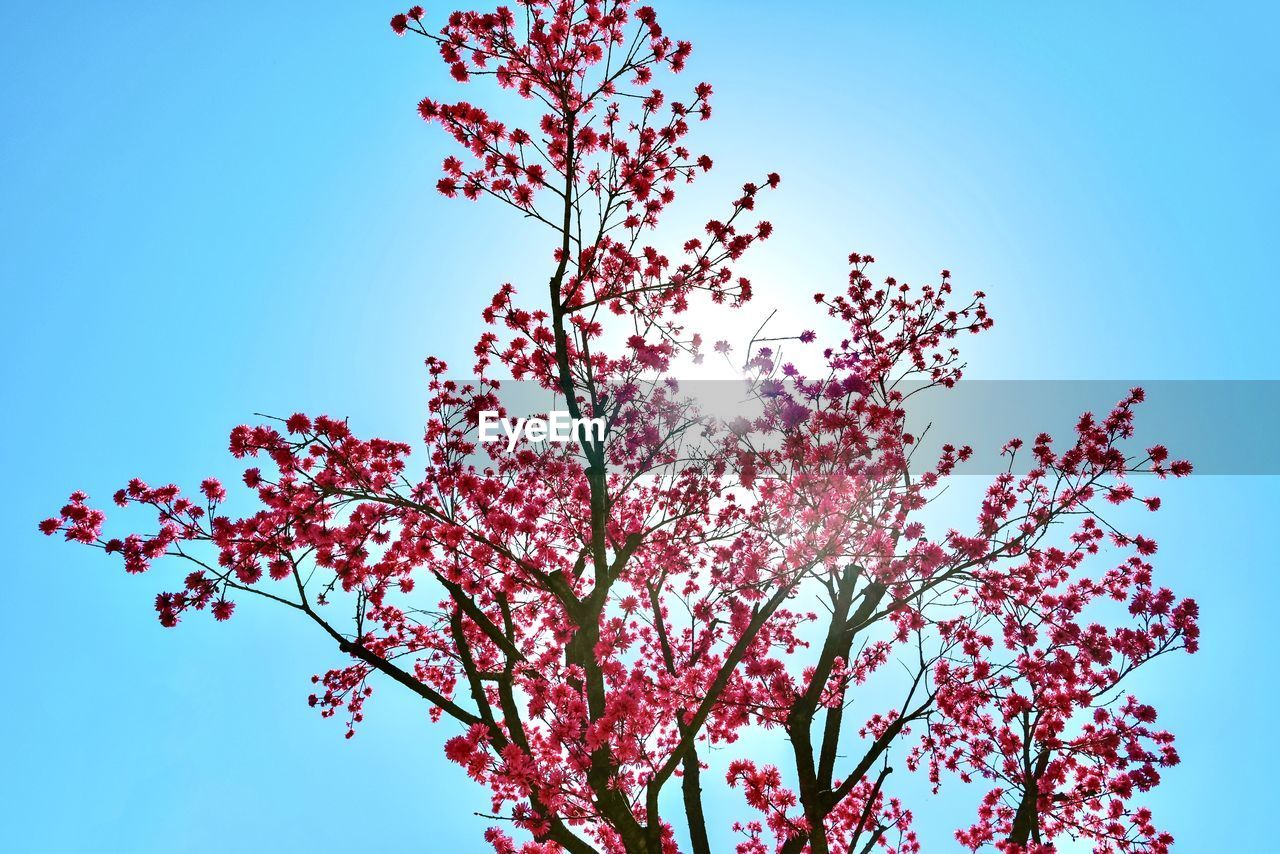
(594, 620)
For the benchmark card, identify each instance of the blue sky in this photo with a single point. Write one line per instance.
(224, 209)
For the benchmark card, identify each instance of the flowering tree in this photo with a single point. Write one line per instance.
(593, 618)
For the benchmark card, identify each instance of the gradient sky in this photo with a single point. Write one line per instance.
(212, 210)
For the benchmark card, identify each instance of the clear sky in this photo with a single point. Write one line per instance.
(211, 210)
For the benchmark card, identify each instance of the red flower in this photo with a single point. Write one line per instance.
(588, 611)
(298, 423)
(213, 490)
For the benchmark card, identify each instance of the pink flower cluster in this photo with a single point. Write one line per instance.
(595, 620)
